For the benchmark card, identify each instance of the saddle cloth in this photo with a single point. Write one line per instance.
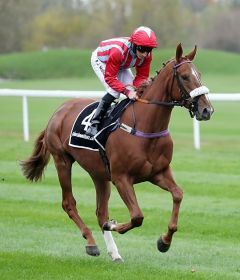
(110, 122)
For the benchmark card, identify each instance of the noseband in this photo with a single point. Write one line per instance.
(188, 99)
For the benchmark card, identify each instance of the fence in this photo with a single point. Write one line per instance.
(96, 94)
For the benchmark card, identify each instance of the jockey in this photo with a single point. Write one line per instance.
(112, 61)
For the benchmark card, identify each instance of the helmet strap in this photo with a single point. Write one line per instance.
(134, 48)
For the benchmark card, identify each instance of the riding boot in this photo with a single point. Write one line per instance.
(99, 114)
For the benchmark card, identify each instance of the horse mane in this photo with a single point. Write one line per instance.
(142, 87)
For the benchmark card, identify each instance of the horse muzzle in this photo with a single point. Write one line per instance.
(201, 107)
(204, 114)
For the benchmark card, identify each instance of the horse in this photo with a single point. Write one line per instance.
(139, 150)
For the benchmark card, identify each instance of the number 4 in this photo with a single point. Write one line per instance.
(87, 120)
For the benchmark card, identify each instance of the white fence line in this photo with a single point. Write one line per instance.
(95, 94)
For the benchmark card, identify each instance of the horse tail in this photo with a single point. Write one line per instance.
(33, 167)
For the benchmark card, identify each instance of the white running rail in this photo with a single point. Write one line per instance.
(96, 94)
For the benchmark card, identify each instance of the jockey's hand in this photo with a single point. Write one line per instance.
(132, 95)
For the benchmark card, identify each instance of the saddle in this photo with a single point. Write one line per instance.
(110, 122)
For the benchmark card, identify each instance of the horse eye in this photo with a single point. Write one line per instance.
(185, 77)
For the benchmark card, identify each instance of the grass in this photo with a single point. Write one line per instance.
(221, 83)
(38, 241)
(44, 65)
(55, 84)
(217, 83)
(71, 69)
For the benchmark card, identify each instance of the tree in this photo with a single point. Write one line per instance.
(34, 24)
(14, 16)
(221, 29)
(197, 6)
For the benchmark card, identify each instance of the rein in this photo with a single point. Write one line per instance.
(184, 93)
(161, 103)
(186, 97)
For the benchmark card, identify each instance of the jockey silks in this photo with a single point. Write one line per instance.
(117, 54)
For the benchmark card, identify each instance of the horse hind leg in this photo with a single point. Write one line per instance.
(103, 191)
(63, 165)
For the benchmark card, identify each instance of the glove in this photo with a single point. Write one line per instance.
(132, 95)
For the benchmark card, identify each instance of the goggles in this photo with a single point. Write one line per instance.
(144, 49)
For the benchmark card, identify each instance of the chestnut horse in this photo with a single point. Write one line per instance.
(135, 155)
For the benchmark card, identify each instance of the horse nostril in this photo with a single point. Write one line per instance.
(206, 113)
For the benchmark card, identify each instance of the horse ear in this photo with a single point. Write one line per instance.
(179, 52)
(192, 54)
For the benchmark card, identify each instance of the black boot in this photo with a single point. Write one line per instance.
(99, 114)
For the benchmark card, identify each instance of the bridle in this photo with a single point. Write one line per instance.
(188, 99)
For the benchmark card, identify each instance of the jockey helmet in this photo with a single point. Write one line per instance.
(144, 36)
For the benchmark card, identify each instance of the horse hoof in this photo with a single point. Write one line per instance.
(110, 225)
(118, 260)
(162, 246)
(92, 250)
(106, 226)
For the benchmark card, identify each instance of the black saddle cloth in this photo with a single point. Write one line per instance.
(110, 122)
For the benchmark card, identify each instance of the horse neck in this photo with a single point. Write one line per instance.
(161, 86)
(155, 117)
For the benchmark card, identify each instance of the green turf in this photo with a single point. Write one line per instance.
(44, 65)
(61, 63)
(217, 83)
(38, 241)
(55, 84)
(71, 69)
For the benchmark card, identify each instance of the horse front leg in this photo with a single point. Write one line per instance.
(165, 181)
(127, 193)
(103, 191)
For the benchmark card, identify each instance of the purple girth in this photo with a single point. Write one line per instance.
(151, 135)
(139, 133)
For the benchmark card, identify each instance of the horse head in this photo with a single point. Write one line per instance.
(186, 87)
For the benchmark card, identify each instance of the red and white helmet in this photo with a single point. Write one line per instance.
(144, 36)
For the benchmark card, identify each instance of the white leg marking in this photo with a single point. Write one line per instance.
(111, 246)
